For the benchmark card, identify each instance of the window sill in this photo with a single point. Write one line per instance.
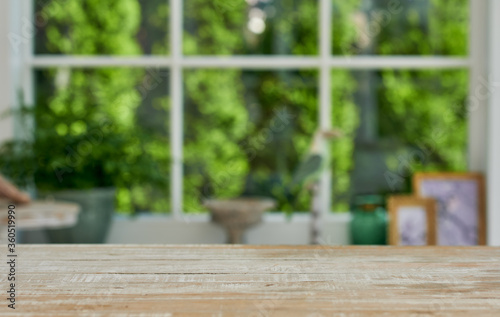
(269, 217)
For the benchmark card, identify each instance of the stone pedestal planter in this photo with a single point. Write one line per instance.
(237, 215)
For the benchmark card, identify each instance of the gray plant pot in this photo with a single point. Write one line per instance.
(94, 219)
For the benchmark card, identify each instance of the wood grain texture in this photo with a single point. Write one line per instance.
(222, 280)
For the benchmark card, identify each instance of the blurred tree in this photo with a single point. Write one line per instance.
(251, 126)
(75, 102)
(232, 142)
(414, 119)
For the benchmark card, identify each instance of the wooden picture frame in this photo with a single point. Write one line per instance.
(412, 220)
(461, 218)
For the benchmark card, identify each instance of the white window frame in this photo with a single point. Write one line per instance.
(476, 63)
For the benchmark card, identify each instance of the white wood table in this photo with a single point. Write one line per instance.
(41, 214)
(224, 280)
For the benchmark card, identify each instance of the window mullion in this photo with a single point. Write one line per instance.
(27, 77)
(493, 145)
(325, 102)
(176, 117)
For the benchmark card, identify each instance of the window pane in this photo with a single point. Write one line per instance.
(105, 128)
(395, 27)
(245, 133)
(250, 27)
(397, 122)
(122, 27)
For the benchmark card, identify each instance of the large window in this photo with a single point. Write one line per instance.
(221, 98)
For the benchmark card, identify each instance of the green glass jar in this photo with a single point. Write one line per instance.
(369, 220)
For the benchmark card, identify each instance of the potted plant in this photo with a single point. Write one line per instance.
(83, 164)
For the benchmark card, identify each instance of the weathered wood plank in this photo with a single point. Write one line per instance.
(220, 280)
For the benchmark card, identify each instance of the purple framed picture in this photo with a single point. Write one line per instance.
(460, 206)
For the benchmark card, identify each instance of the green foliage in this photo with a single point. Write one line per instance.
(231, 144)
(345, 116)
(215, 123)
(283, 110)
(212, 27)
(93, 27)
(244, 131)
(220, 28)
(344, 33)
(235, 142)
(421, 114)
(103, 127)
(431, 104)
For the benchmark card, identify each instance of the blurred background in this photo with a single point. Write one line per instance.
(159, 105)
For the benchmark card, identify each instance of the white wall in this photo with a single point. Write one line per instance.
(272, 231)
(160, 229)
(493, 184)
(6, 127)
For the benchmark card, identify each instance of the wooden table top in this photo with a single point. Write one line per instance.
(224, 280)
(42, 214)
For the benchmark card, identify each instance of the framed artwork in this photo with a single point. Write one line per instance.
(460, 206)
(412, 220)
